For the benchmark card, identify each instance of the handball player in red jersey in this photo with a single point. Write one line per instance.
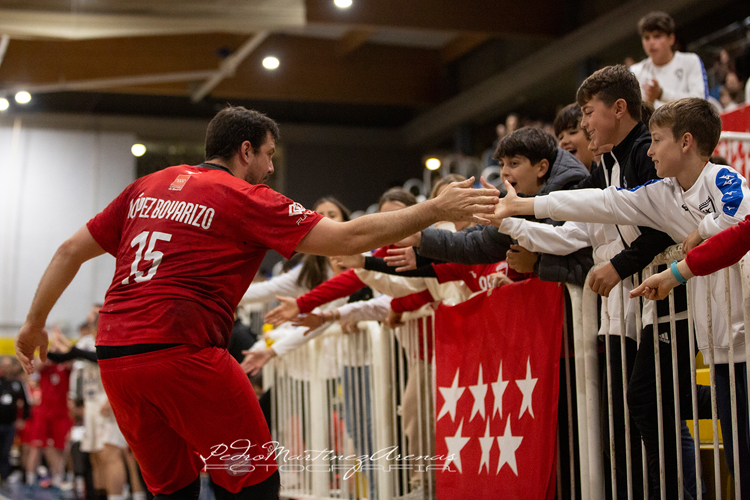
(188, 241)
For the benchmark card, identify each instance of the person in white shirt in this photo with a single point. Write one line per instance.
(666, 75)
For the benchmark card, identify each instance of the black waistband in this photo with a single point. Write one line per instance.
(118, 351)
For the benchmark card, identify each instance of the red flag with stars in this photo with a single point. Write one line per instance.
(497, 361)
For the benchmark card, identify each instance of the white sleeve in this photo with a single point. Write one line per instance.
(388, 284)
(546, 238)
(367, 310)
(732, 191)
(296, 337)
(284, 285)
(642, 206)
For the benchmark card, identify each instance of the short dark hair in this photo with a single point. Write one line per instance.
(656, 21)
(610, 84)
(398, 195)
(531, 142)
(691, 115)
(234, 125)
(567, 118)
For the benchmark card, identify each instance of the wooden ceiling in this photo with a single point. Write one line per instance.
(392, 55)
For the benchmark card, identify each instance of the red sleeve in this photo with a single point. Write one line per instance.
(339, 286)
(276, 221)
(411, 302)
(721, 250)
(106, 226)
(449, 271)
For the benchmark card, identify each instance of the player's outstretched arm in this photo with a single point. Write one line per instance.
(60, 272)
(458, 202)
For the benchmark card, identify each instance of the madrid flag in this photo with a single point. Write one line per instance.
(497, 364)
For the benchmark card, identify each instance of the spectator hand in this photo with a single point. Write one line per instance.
(498, 279)
(504, 208)
(255, 360)
(59, 342)
(521, 260)
(287, 311)
(656, 287)
(30, 338)
(404, 258)
(651, 91)
(106, 409)
(691, 241)
(604, 279)
(349, 327)
(393, 320)
(356, 261)
(459, 201)
(311, 321)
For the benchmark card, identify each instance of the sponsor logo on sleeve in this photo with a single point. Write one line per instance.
(296, 209)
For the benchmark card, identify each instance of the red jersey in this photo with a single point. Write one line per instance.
(475, 276)
(54, 381)
(188, 241)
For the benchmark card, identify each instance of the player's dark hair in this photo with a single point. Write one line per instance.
(610, 84)
(234, 125)
(398, 195)
(531, 142)
(315, 267)
(567, 118)
(691, 115)
(656, 21)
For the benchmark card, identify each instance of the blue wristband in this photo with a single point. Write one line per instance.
(676, 273)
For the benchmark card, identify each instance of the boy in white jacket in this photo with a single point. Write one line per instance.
(694, 200)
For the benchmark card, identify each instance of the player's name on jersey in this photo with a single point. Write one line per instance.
(180, 211)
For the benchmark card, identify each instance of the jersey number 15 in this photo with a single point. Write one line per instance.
(153, 255)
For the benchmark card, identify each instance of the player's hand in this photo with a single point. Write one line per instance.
(30, 338)
(604, 279)
(460, 202)
(311, 321)
(287, 311)
(691, 241)
(394, 320)
(521, 260)
(356, 261)
(255, 360)
(656, 287)
(403, 259)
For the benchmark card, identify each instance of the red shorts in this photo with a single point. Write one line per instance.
(48, 430)
(185, 409)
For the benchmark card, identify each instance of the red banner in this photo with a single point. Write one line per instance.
(736, 151)
(497, 360)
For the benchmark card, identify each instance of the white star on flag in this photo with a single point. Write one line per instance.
(527, 389)
(508, 444)
(451, 395)
(479, 392)
(486, 444)
(498, 388)
(455, 445)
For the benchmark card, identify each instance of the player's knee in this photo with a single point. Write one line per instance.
(189, 492)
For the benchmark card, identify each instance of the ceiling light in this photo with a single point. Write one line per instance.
(270, 62)
(138, 150)
(432, 164)
(342, 4)
(23, 97)
(4, 104)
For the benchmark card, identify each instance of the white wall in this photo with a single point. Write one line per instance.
(51, 183)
